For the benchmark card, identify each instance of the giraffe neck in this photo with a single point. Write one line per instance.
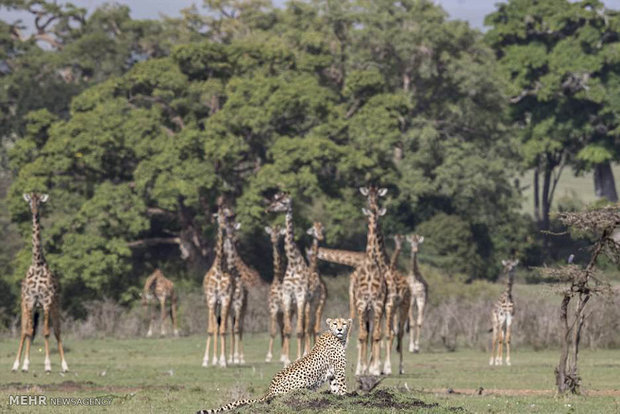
(509, 283)
(415, 271)
(37, 248)
(394, 260)
(292, 252)
(219, 244)
(315, 253)
(277, 264)
(374, 244)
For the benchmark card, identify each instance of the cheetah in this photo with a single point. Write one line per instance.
(325, 362)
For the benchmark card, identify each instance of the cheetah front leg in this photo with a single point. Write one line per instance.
(338, 384)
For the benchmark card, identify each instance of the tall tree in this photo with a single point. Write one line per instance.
(561, 59)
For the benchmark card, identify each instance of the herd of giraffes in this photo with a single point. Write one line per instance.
(382, 298)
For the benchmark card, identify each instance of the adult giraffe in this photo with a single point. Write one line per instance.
(41, 289)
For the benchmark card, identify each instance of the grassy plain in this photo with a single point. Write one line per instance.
(165, 375)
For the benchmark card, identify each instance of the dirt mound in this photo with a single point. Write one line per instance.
(382, 399)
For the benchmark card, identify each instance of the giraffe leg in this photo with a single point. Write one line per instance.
(402, 318)
(46, 339)
(173, 313)
(307, 328)
(151, 309)
(26, 314)
(412, 324)
(280, 319)
(507, 337)
(301, 303)
(273, 314)
(241, 358)
(210, 334)
(287, 330)
(223, 332)
(389, 337)
(375, 359)
(362, 343)
(162, 312)
(421, 302)
(236, 336)
(29, 336)
(352, 303)
(55, 314)
(318, 316)
(500, 341)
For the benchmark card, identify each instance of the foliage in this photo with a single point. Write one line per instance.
(561, 58)
(258, 99)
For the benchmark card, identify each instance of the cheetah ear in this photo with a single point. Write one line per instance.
(516, 262)
(44, 198)
(309, 231)
(504, 263)
(27, 197)
(350, 322)
(382, 192)
(421, 240)
(364, 191)
(268, 230)
(328, 321)
(237, 226)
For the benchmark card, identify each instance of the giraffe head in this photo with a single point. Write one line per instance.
(275, 233)
(281, 202)
(316, 231)
(373, 193)
(415, 241)
(33, 200)
(398, 241)
(509, 265)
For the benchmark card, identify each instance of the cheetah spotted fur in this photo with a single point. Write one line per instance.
(325, 362)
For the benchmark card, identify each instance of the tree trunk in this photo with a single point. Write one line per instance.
(560, 371)
(604, 183)
(546, 196)
(536, 195)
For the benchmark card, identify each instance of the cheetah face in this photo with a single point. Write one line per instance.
(339, 327)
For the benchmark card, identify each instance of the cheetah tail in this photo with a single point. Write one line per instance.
(234, 405)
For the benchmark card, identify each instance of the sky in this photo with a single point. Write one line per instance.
(471, 10)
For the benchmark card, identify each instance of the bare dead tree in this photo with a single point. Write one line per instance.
(583, 284)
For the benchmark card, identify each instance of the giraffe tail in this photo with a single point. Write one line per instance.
(235, 404)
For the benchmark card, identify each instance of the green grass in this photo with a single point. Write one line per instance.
(165, 375)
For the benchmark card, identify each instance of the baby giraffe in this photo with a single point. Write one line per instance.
(502, 315)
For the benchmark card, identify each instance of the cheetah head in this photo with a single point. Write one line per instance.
(339, 327)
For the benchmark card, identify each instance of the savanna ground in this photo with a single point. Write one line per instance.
(165, 375)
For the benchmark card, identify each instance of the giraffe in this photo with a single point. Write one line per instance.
(157, 286)
(40, 288)
(245, 277)
(402, 304)
(370, 290)
(218, 286)
(502, 314)
(317, 290)
(275, 290)
(419, 293)
(295, 281)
